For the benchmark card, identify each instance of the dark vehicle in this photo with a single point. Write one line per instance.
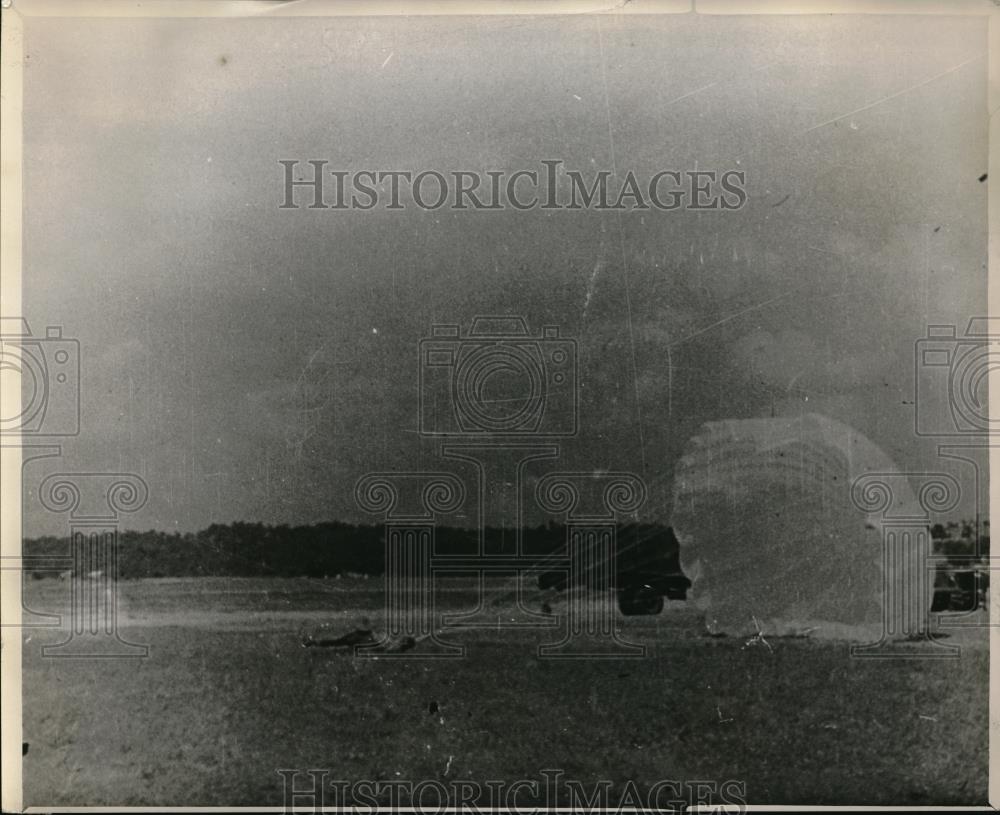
(959, 589)
(648, 570)
(634, 601)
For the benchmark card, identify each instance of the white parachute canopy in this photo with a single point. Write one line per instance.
(772, 540)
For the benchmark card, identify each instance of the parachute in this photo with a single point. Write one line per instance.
(772, 540)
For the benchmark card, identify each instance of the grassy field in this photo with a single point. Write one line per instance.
(228, 696)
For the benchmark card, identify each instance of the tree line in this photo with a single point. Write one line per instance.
(333, 548)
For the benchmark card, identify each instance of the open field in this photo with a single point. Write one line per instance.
(228, 696)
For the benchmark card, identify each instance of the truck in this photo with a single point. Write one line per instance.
(647, 570)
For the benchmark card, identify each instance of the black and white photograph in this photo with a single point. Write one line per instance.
(478, 408)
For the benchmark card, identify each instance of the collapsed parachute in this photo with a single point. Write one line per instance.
(771, 538)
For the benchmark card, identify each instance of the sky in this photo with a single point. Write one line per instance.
(252, 363)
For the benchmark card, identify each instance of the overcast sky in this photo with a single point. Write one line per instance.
(209, 317)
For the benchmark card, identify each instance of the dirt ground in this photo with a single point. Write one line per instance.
(228, 696)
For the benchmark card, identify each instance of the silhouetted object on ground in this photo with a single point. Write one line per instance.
(360, 636)
(959, 589)
(647, 569)
(638, 600)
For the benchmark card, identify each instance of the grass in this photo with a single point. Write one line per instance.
(214, 712)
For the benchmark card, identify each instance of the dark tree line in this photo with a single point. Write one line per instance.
(333, 548)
